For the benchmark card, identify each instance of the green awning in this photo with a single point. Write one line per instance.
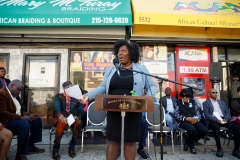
(65, 13)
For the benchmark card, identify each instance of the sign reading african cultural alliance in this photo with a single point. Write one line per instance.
(65, 13)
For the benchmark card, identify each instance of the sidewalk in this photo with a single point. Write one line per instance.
(97, 152)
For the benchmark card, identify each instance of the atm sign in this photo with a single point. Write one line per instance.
(193, 70)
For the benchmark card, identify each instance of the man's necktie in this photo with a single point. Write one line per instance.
(16, 104)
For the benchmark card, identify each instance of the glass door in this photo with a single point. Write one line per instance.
(224, 84)
(41, 85)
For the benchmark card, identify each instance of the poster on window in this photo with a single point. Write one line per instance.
(155, 53)
(195, 82)
(88, 61)
(156, 67)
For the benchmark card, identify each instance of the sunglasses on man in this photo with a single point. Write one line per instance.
(214, 92)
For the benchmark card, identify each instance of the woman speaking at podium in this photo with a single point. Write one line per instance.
(120, 83)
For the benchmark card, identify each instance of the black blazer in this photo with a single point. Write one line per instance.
(164, 102)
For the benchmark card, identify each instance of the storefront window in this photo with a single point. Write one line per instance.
(233, 54)
(171, 57)
(87, 68)
(221, 53)
(4, 58)
(159, 60)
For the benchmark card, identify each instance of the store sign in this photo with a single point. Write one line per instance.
(193, 70)
(65, 13)
(193, 54)
(208, 7)
(202, 13)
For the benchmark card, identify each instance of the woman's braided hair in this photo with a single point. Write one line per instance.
(132, 47)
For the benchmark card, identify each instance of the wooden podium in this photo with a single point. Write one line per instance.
(123, 104)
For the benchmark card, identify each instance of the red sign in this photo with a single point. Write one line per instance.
(193, 69)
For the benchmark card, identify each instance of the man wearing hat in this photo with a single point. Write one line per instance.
(63, 107)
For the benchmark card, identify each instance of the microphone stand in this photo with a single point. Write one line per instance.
(160, 81)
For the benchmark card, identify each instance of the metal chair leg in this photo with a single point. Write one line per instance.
(230, 137)
(224, 140)
(181, 142)
(82, 140)
(50, 143)
(205, 144)
(172, 142)
(166, 139)
(148, 141)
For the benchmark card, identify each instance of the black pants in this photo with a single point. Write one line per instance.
(216, 131)
(195, 131)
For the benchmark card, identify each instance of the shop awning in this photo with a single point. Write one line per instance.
(65, 13)
(62, 34)
(187, 18)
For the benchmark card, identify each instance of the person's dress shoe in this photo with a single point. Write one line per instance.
(193, 151)
(236, 153)
(20, 157)
(219, 153)
(35, 150)
(55, 155)
(71, 153)
(185, 147)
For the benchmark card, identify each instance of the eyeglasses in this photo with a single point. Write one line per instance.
(123, 51)
(214, 92)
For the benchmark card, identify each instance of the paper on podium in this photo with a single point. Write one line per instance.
(70, 120)
(74, 92)
(216, 114)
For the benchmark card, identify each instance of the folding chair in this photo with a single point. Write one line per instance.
(95, 120)
(153, 120)
(181, 131)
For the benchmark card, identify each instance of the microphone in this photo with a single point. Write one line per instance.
(117, 65)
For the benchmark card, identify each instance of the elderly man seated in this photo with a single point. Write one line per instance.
(213, 110)
(63, 107)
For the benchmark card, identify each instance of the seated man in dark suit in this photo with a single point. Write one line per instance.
(20, 122)
(167, 103)
(213, 105)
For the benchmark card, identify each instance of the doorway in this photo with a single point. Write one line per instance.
(230, 81)
(41, 84)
